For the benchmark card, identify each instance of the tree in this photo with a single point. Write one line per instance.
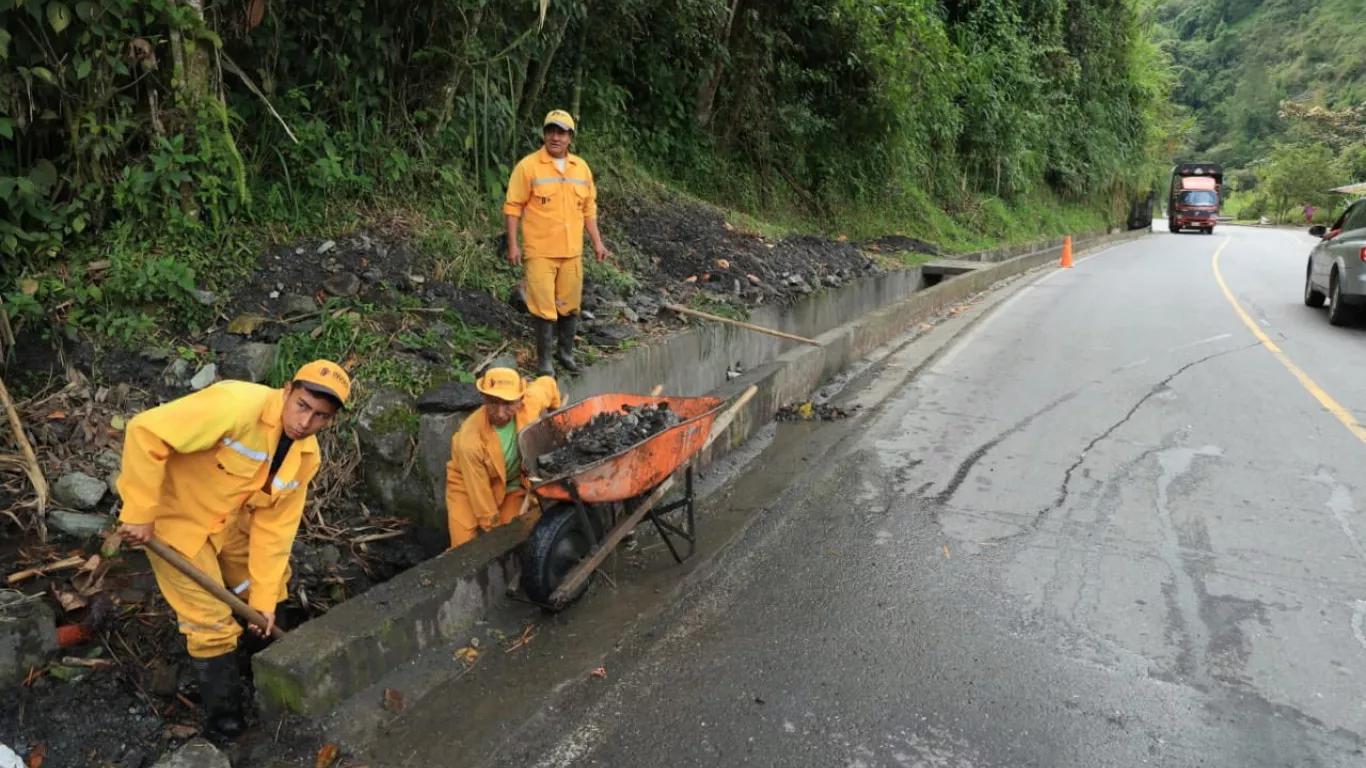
(1297, 174)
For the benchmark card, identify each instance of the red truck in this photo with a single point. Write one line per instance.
(1193, 202)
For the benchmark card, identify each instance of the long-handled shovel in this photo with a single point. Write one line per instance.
(738, 324)
(217, 590)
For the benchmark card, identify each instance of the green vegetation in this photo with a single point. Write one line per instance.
(715, 305)
(460, 258)
(614, 274)
(1277, 93)
(356, 337)
(173, 144)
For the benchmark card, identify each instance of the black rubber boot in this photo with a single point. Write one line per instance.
(220, 691)
(545, 342)
(567, 326)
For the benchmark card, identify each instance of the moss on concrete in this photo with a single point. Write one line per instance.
(276, 689)
(396, 638)
(385, 631)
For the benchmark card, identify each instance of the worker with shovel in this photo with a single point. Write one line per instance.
(485, 487)
(551, 193)
(220, 477)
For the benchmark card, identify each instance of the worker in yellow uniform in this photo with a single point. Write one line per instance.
(221, 476)
(551, 192)
(485, 487)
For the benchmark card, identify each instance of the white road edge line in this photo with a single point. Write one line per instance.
(1210, 340)
(953, 351)
(1358, 620)
(1000, 309)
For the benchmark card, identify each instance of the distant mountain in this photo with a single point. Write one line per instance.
(1239, 59)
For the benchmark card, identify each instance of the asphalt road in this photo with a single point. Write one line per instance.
(1110, 526)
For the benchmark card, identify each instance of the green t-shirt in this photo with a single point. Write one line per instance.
(507, 435)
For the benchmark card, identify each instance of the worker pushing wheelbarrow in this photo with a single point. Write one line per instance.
(589, 508)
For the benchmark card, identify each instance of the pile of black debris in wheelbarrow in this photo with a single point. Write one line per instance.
(607, 434)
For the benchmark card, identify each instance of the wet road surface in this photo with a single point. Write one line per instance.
(1117, 523)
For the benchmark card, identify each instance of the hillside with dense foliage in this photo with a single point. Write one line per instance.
(1277, 90)
(169, 141)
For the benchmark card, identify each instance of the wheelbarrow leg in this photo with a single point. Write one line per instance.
(692, 524)
(665, 528)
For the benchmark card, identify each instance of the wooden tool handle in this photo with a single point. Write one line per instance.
(217, 590)
(724, 419)
(760, 329)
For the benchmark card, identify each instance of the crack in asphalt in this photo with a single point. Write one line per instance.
(1065, 489)
(1088, 586)
(960, 475)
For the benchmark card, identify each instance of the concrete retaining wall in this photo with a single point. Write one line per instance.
(358, 642)
(406, 472)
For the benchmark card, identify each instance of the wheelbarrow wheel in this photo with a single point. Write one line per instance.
(557, 544)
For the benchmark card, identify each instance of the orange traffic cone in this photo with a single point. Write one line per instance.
(1066, 253)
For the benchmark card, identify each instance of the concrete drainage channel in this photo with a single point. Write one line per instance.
(360, 644)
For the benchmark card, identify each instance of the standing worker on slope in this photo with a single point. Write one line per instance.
(552, 193)
(485, 487)
(221, 476)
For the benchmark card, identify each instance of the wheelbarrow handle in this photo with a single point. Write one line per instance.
(724, 419)
(219, 591)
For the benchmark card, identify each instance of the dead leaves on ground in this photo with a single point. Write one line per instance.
(181, 732)
(88, 582)
(327, 756)
(528, 633)
(246, 325)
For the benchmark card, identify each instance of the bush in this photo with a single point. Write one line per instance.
(140, 126)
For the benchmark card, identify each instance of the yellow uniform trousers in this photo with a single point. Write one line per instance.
(465, 526)
(554, 287)
(206, 622)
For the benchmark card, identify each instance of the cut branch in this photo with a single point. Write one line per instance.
(232, 67)
(35, 472)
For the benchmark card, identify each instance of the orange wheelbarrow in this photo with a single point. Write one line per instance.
(589, 510)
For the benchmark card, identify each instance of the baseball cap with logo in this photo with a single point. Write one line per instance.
(502, 383)
(325, 377)
(559, 118)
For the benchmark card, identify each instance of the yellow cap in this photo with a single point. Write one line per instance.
(502, 383)
(561, 118)
(325, 377)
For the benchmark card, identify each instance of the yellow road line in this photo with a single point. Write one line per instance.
(1326, 400)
